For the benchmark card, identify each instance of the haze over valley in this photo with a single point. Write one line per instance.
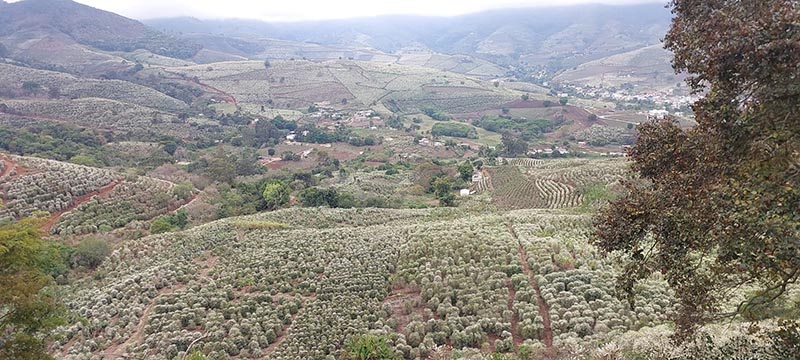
(461, 180)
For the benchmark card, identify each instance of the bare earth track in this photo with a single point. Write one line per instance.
(102, 192)
(544, 309)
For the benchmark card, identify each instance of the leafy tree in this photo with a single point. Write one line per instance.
(513, 145)
(161, 225)
(563, 101)
(465, 170)
(31, 87)
(454, 129)
(368, 347)
(183, 190)
(170, 147)
(267, 64)
(443, 190)
(276, 194)
(91, 252)
(436, 114)
(28, 310)
(171, 222)
(715, 206)
(221, 167)
(525, 97)
(86, 160)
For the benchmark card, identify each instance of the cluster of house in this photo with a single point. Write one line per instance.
(324, 111)
(430, 143)
(549, 151)
(664, 97)
(293, 135)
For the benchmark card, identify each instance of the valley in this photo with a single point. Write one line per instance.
(511, 184)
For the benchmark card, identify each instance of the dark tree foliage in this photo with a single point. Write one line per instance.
(716, 206)
(28, 310)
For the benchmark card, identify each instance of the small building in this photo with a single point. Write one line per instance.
(464, 192)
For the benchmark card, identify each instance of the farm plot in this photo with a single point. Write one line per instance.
(47, 185)
(512, 190)
(532, 183)
(99, 114)
(296, 84)
(140, 199)
(80, 199)
(298, 283)
(12, 77)
(578, 285)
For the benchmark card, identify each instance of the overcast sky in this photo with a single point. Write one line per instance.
(293, 10)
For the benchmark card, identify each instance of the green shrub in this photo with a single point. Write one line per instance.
(91, 252)
(368, 347)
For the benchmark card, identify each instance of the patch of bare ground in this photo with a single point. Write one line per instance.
(404, 302)
(8, 166)
(544, 309)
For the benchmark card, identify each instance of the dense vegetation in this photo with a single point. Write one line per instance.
(454, 129)
(715, 206)
(524, 128)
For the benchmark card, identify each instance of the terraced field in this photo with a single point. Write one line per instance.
(79, 199)
(298, 283)
(297, 84)
(34, 184)
(12, 77)
(550, 184)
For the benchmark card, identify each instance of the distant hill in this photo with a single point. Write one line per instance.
(69, 35)
(555, 37)
(647, 68)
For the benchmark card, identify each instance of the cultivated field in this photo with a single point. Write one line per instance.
(12, 78)
(297, 283)
(530, 183)
(79, 199)
(342, 83)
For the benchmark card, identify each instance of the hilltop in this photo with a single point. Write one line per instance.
(558, 37)
(63, 34)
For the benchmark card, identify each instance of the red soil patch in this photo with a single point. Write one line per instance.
(397, 299)
(544, 309)
(102, 192)
(225, 96)
(9, 166)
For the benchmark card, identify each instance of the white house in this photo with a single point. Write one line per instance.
(464, 192)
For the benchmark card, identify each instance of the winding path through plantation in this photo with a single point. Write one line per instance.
(103, 191)
(544, 309)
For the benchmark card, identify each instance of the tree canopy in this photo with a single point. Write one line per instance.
(714, 207)
(27, 310)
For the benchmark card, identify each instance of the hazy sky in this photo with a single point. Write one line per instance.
(292, 10)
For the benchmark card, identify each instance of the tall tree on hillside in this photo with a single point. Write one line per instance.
(27, 310)
(716, 206)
